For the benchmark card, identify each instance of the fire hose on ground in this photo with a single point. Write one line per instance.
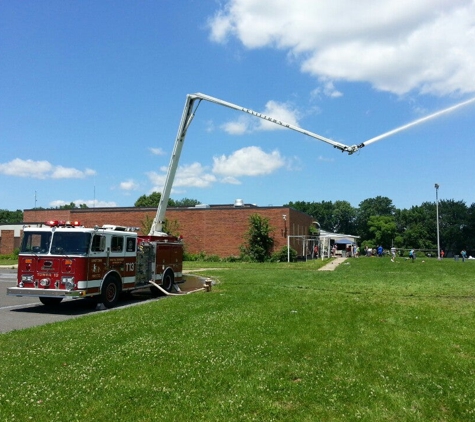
(206, 288)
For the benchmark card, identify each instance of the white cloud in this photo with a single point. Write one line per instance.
(129, 185)
(293, 163)
(281, 111)
(327, 88)
(229, 180)
(395, 45)
(246, 124)
(193, 175)
(209, 126)
(325, 159)
(60, 172)
(157, 151)
(250, 161)
(237, 127)
(42, 170)
(27, 168)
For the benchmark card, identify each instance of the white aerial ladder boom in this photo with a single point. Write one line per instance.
(187, 117)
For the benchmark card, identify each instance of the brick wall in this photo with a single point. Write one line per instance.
(215, 230)
(7, 242)
(40, 216)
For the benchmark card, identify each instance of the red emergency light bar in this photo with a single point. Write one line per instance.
(60, 223)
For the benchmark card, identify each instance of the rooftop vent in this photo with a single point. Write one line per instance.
(238, 203)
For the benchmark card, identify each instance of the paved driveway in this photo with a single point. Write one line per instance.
(333, 264)
(17, 313)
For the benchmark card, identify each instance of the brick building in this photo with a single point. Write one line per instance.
(10, 236)
(214, 230)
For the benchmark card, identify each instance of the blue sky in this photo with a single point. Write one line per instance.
(92, 93)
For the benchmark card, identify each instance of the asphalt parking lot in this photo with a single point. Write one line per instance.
(17, 313)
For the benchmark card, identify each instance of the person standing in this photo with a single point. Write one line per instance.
(393, 254)
(464, 254)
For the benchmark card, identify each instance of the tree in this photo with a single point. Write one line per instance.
(453, 219)
(152, 200)
(417, 226)
(148, 201)
(146, 224)
(72, 206)
(11, 217)
(258, 240)
(379, 206)
(323, 213)
(469, 229)
(383, 228)
(343, 217)
(186, 202)
(169, 227)
(333, 217)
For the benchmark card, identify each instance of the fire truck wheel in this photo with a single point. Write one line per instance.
(110, 292)
(167, 281)
(167, 284)
(51, 301)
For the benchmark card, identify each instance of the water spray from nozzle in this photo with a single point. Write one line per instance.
(416, 122)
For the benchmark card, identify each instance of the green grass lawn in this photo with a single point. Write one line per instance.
(371, 341)
(8, 260)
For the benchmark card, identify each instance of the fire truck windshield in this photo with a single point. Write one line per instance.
(35, 242)
(62, 243)
(70, 243)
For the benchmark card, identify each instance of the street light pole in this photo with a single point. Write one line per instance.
(437, 216)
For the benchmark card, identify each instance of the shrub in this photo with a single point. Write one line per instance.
(194, 257)
(259, 242)
(284, 254)
(231, 258)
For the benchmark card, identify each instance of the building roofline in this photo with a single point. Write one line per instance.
(126, 209)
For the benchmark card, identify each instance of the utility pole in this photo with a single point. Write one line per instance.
(437, 216)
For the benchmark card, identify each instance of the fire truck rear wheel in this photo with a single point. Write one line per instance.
(110, 292)
(168, 280)
(167, 284)
(51, 301)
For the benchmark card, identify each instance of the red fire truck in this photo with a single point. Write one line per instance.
(64, 259)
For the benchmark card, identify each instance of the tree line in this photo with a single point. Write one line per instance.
(378, 222)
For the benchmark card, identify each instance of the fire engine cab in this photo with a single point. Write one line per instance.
(64, 259)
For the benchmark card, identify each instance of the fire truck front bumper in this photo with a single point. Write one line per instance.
(35, 292)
